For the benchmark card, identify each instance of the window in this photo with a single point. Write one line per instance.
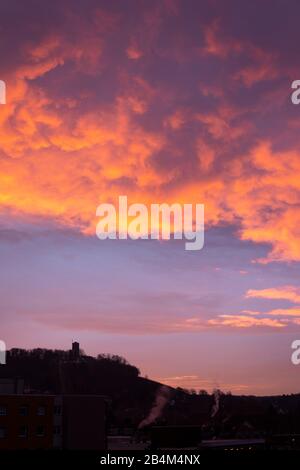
(40, 431)
(56, 430)
(3, 410)
(23, 410)
(23, 431)
(3, 433)
(41, 411)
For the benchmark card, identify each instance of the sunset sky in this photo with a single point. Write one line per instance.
(163, 101)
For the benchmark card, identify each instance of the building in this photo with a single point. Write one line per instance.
(175, 437)
(53, 422)
(75, 351)
(11, 386)
(27, 422)
(84, 422)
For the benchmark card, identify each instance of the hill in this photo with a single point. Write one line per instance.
(134, 398)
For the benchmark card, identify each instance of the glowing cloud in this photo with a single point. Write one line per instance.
(290, 293)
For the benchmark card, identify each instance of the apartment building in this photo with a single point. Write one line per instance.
(53, 421)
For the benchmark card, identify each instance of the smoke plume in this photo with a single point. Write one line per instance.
(161, 399)
(216, 405)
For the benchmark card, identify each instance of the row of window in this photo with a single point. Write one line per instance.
(23, 431)
(24, 410)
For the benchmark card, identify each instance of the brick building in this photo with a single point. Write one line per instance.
(52, 421)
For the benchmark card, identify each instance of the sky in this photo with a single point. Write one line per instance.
(163, 101)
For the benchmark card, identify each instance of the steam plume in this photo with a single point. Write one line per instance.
(216, 405)
(161, 399)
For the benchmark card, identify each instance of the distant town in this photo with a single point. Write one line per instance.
(55, 399)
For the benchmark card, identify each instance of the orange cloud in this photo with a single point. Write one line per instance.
(289, 312)
(262, 64)
(216, 44)
(59, 164)
(175, 120)
(133, 52)
(60, 160)
(268, 204)
(263, 68)
(291, 293)
(195, 382)
(243, 321)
